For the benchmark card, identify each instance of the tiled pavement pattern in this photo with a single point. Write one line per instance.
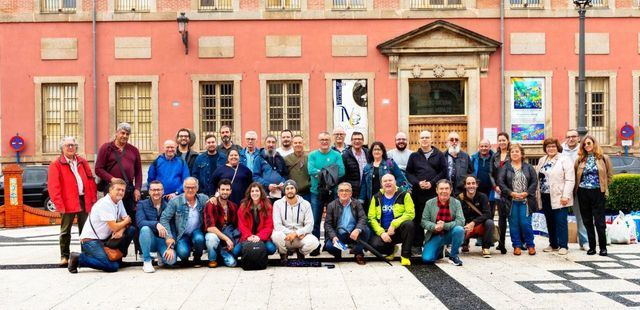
(29, 280)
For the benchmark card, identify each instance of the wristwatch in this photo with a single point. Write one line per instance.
(172, 246)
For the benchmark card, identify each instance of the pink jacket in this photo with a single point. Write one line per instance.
(561, 179)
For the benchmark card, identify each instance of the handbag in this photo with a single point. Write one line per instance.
(232, 232)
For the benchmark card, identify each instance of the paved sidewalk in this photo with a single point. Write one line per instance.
(30, 280)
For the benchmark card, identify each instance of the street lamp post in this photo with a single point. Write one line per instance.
(581, 5)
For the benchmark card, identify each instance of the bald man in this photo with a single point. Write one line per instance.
(169, 169)
(481, 162)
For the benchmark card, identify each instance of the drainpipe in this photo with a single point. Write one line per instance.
(502, 102)
(95, 84)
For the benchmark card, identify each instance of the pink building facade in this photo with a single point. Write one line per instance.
(378, 66)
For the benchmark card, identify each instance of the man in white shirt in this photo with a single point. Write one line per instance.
(108, 219)
(286, 138)
(400, 154)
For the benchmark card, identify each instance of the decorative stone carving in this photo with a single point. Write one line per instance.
(393, 64)
(484, 63)
(461, 71)
(417, 71)
(438, 71)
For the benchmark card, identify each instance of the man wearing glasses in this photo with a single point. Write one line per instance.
(458, 163)
(425, 167)
(400, 154)
(338, 140)
(355, 159)
(72, 190)
(183, 137)
(570, 148)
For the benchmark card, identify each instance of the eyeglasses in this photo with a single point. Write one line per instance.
(338, 134)
(70, 146)
(356, 139)
(570, 137)
(189, 188)
(454, 139)
(155, 190)
(425, 137)
(588, 143)
(251, 139)
(183, 136)
(344, 191)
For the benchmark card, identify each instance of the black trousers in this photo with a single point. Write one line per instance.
(592, 210)
(404, 234)
(66, 223)
(130, 206)
(503, 216)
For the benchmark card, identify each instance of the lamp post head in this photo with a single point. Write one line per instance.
(582, 3)
(183, 20)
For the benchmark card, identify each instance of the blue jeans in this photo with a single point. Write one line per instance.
(520, 223)
(93, 255)
(562, 231)
(436, 244)
(213, 243)
(344, 238)
(149, 242)
(189, 243)
(271, 248)
(317, 207)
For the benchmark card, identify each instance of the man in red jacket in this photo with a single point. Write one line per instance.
(72, 190)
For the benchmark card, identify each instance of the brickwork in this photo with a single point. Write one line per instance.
(559, 4)
(626, 4)
(315, 4)
(249, 4)
(173, 5)
(16, 6)
(386, 4)
(487, 4)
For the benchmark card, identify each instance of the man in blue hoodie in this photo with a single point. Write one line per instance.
(169, 169)
(481, 162)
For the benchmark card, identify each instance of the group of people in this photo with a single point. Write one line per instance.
(230, 197)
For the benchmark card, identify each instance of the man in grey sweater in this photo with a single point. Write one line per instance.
(293, 224)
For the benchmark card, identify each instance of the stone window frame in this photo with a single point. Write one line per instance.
(370, 77)
(544, 4)
(196, 8)
(38, 81)
(465, 4)
(263, 7)
(152, 7)
(196, 79)
(38, 7)
(304, 96)
(153, 79)
(612, 108)
(329, 4)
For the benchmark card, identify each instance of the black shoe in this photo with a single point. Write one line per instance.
(315, 252)
(284, 259)
(591, 252)
(197, 263)
(603, 252)
(416, 250)
(73, 262)
(502, 249)
(299, 255)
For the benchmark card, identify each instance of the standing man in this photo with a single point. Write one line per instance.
(570, 148)
(338, 140)
(186, 139)
(72, 190)
(169, 169)
(458, 163)
(206, 163)
(108, 219)
(346, 223)
(321, 159)
(481, 162)
(425, 167)
(152, 233)
(293, 224)
(286, 137)
(250, 154)
(271, 172)
(297, 165)
(478, 219)
(120, 160)
(227, 144)
(400, 154)
(354, 159)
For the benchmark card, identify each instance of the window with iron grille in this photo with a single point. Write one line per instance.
(57, 6)
(537, 4)
(215, 5)
(277, 5)
(349, 5)
(131, 6)
(61, 115)
(436, 4)
(597, 108)
(600, 4)
(284, 107)
(216, 108)
(133, 105)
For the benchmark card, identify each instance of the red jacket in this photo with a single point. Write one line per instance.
(63, 187)
(245, 221)
(214, 215)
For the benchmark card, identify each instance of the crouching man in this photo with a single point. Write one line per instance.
(108, 219)
(477, 216)
(293, 224)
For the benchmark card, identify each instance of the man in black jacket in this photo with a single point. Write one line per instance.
(478, 218)
(458, 163)
(185, 139)
(354, 159)
(425, 167)
(345, 223)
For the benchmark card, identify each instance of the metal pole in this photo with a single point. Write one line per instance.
(95, 84)
(502, 84)
(582, 126)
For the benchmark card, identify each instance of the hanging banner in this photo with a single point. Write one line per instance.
(350, 107)
(527, 110)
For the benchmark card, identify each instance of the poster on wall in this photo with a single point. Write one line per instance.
(527, 110)
(350, 106)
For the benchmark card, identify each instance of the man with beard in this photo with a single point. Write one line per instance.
(293, 224)
(221, 226)
(206, 163)
(400, 154)
(477, 215)
(285, 139)
(338, 140)
(275, 173)
(354, 159)
(425, 167)
(297, 165)
(183, 137)
(226, 144)
(458, 163)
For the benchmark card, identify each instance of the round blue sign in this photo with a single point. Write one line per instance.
(17, 143)
(627, 132)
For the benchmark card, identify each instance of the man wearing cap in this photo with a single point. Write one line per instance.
(293, 224)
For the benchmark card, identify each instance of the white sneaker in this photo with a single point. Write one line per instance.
(148, 267)
(548, 249)
(563, 251)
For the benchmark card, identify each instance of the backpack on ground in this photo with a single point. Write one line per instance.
(254, 256)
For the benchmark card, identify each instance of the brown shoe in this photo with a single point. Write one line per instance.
(213, 264)
(465, 248)
(517, 251)
(360, 259)
(532, 251)
(64, 262)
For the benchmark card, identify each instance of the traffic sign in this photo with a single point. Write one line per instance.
(17, 143)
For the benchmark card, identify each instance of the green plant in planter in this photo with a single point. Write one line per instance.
(624, 193)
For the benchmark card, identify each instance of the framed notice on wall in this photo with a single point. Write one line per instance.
(350, 104)
(527, 110)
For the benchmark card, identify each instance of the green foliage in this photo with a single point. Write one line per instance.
(624, 193)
